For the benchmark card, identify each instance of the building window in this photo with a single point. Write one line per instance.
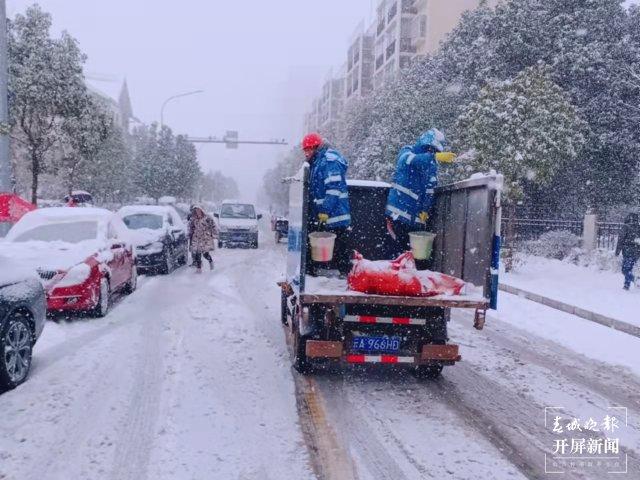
(391, 49)
(392, 12)
(405, 61)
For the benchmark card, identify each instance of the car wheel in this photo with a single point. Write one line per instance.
(104, 299)
(220, 244)
(254, 244)
(16, 346)
(131, 286)
(284, 309)
(300, 361)
(167, 264)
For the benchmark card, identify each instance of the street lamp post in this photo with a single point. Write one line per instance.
(173, 97)
(5, 160)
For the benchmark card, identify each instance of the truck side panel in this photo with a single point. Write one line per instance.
(464, 220)
(297, 243)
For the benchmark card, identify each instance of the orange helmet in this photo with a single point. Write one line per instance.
(312, 140)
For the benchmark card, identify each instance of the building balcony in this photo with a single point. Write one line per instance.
(409, 7)
(407, 45)
(379, 61)
(381, 25)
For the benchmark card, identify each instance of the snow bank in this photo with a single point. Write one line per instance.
(588, 288)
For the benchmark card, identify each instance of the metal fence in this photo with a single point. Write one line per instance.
(608, 233)
(532, 228)
(526, 229)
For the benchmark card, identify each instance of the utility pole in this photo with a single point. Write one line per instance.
(5, 160)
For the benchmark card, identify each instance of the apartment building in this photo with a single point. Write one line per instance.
(394, 45)
(311, 118)
(409, 28)
(401, 31)
(436, 19)
(360, 63)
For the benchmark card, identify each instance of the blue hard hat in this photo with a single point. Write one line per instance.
(433, 138)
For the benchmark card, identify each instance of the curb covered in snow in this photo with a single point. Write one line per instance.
(573, 310)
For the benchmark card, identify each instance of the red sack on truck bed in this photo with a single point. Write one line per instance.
(400, 277)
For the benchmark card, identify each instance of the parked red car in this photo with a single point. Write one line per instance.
(83, 256)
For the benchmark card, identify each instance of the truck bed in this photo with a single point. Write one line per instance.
(323, 290)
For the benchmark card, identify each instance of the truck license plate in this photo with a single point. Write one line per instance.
(376, 344)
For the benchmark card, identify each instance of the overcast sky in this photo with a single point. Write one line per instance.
(260, 62)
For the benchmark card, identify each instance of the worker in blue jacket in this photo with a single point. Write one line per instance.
(412, 192)
(329, 200)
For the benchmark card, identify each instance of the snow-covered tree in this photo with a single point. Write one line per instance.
(165, 164)
(525, 129)
(216, 187)
(110, 175)
(83, 131)
(187, 169)
(589, 46)
(45, 79)
(276, 191)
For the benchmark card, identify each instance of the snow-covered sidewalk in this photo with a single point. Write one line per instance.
(587, 288)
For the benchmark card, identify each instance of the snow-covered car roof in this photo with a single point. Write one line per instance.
(154, 210)
(59, 253)
(58, 215)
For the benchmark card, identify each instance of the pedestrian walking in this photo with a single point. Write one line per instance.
(629, 246)
(203, 234)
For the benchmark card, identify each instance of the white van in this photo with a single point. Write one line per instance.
(238, 224)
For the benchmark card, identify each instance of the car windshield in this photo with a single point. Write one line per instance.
(70, 232)
(143, 220)
(237, 210)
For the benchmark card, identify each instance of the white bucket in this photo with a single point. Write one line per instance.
(322, 246)
(421, 244)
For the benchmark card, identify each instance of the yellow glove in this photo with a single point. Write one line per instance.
(323, 217)
(423, 216)
(446, 157)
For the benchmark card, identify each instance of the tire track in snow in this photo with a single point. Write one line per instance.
(78, 441)
(570, 365)
(357, 432)
(136, 437)
(504, 418)
(330, 460)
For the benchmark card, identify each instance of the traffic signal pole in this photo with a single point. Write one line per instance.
(233, 142)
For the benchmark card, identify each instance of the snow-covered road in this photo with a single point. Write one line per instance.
(190, 378)
(182, 380)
